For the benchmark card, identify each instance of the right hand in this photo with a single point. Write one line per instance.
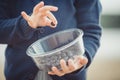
(70, 66)
(41, 16)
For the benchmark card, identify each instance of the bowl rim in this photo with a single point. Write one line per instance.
(57, 49)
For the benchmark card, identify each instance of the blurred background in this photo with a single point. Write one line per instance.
(106, 63)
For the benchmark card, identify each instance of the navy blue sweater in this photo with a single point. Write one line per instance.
(14, 31)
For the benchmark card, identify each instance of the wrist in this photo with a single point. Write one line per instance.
(32, 25)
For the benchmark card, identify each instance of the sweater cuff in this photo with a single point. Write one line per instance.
(74, 75)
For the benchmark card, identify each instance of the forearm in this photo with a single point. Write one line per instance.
(91, 42)
(88, 16)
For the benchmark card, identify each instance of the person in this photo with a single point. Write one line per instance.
(23, 22)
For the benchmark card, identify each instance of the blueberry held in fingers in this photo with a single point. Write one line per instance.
(52, 24)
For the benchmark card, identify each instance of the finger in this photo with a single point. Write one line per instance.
(48, 22)
(48, 8)
(71, 65)
(81, 61)
(77, 62)
(52, 18)
(51, 73)
(25, 16)
(57, 72)
(84, 60)
(64, 66)
(38, 6)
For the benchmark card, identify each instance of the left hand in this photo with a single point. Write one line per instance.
(70, 66)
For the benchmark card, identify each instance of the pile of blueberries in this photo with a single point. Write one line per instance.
(46, 62)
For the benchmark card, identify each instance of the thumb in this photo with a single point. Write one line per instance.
(27, 18)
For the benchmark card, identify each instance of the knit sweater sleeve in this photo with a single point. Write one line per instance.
(88, 16)
(12, 30)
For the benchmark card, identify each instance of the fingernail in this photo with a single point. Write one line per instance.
(56, 8)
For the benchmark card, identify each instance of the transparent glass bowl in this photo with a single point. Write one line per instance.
(48, 51)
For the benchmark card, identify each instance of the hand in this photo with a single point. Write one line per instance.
(41, 16)
(72, 66)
